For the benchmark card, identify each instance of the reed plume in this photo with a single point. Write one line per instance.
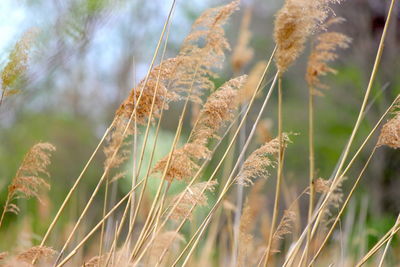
(217, 111)
(324, 52)
(257, 164)
(119, 144)
(37, 252)
(29, 179)
(334, 200)
(17, 65)
(321, 185)
(294, 23)
(156, 87)
(204, 48)
(184, 162)
(390, 133)
(194, 196)
(284, 228)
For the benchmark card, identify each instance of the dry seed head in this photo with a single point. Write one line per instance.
(154, 88)
(204, 49)
(193, 196)
(257, 163)
(335, 199)
(390, 133)
(209, 28)
(119, 143)
(294, 23)
(284, 228)
(38, 252)
(321, 185)
(18, 61)
(218, 110)
(183, 163)
(324, 52)
(29, 179)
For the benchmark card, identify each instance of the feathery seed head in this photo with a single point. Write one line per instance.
(28, 181)
(324, 52)
(194, 196)
(37, 252)
(183, 163)
(294, 23)
(390, 133)
(218, 110)
(18, 62)
(259, 160)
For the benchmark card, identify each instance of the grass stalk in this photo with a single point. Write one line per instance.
(388, 244)
(311, 166)
(279, 174)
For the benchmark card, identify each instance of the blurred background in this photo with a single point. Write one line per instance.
(88, 54)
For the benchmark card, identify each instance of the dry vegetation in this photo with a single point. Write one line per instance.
(163, 229)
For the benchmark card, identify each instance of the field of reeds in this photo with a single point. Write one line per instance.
(212, 158)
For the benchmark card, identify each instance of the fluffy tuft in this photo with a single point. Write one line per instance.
(324, 52)
(257, 163)
(294, 23)
(193, 196)
(29, 180)
(390, 133)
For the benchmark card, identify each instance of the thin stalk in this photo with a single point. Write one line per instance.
(343, 207)
(178, 201)
(388, 244)
(279, 174)
(94, 193)
(389, 234)
(72, 190)
(134, 176)
(98, 225)
(295, 201)
(239, 201)
(5, 209)
(2, 96)
(311, 165)
(104, 213)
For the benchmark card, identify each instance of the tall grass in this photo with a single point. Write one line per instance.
(180, 209)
